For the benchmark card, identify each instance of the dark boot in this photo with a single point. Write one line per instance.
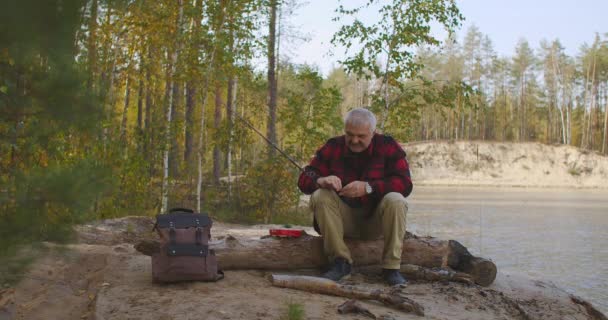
(341, 269)
(393, 277)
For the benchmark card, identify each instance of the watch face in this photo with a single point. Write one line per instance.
(368, 188)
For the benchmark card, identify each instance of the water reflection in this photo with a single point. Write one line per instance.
(553, 234)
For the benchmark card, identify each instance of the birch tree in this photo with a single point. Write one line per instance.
(170, 106)
(390, 41)
(273, 7)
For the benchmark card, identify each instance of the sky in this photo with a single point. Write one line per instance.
(573, 22)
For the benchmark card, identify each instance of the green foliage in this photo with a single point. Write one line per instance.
(130, 189)
(269, 191)
(311, 114)
(417, 97)
(49, 173)
(294, 311)
(45, 202)
(384, 48)
(401, 25)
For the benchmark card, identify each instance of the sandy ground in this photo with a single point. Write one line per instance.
(103, 277)
(506, 164)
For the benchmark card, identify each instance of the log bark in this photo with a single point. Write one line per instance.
(307, 252)
(391, 297)
(415, 272)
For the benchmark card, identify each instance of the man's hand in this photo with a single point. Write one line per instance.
(354, 189)
(330, 182)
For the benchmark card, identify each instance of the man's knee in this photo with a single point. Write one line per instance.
(322, 197)
(395, 202)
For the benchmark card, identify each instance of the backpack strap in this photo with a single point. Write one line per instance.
(172, 233)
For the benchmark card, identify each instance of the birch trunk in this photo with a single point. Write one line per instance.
(165, 186)
(205, 94)
(217, 118)
(92, 45)
(148, 108)
(176, 118)
(200, 150)
(125, 110)
(189, 122)
(140, 100)
(110, 90)
(560, 77)
(385, 83)
(590, 123)
(272, 80)
(604, 141)
(588, 96)
(230, 100)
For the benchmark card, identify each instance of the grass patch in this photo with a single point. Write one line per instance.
(294, 311)
(14, 264)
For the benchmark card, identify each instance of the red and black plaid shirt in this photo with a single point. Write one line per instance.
(382, 164)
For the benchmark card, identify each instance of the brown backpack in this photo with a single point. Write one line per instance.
(184, 248)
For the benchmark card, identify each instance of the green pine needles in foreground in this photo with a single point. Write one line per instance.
(45, 202)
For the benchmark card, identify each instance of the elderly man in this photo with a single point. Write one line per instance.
(358, 183)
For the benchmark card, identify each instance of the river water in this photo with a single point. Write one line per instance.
(560, 235)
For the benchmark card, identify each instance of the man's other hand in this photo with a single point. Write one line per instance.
(354, 189)
(330, 182)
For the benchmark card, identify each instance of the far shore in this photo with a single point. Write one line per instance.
(499, 164)
(428, 184)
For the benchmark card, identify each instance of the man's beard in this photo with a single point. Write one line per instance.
(359, 147)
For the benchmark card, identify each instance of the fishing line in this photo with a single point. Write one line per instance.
(270, 142)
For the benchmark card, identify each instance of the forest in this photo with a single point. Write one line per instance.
(128, 107)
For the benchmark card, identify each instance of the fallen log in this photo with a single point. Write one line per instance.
(414, 272)
(391, 298)
(307, 252)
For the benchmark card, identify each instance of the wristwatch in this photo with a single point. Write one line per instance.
(368, 188)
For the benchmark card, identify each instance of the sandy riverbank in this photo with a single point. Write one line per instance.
(102, 277)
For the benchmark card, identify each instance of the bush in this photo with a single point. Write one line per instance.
(270, 191)
(47, 202)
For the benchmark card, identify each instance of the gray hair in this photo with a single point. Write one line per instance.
(359, 117)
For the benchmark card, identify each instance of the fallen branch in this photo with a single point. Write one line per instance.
(353, 306)
(391, 298)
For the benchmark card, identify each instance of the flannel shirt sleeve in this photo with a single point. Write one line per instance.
(397, 177)
(318, 167)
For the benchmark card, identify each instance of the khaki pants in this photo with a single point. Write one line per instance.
(337, 220)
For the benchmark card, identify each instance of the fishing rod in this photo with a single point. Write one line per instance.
(270, 142)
